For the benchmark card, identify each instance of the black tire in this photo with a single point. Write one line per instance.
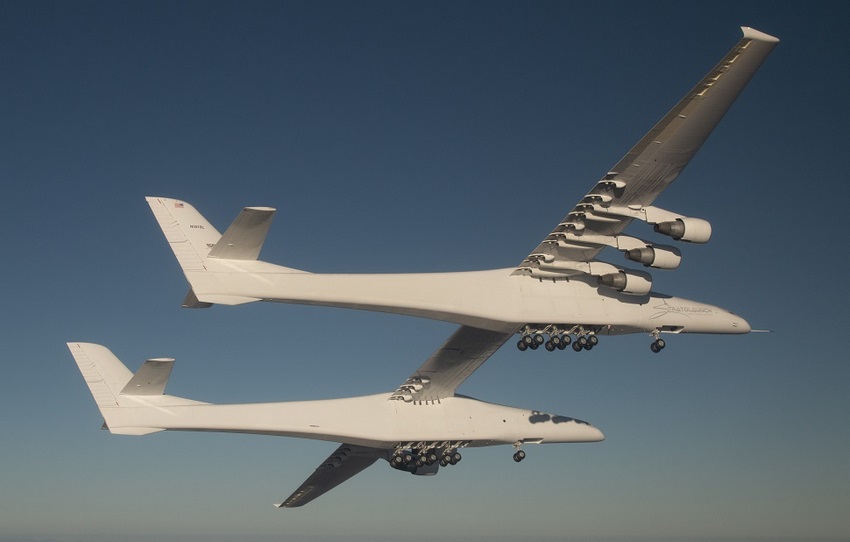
(577, 347)
(521, 345)
(593, 340)
(550, 346)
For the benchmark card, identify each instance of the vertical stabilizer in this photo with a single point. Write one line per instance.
(104, 374)
(188, 233)
(120, 395)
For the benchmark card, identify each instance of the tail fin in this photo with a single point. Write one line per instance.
(190, 235)
(115, 388)
(195, 241)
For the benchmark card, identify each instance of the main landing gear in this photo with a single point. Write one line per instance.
(410, 460)
(558, 339)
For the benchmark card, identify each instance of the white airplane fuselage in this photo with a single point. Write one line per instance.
(373, 420)
(493, 299)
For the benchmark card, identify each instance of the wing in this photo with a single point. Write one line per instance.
(627, 191)
(345, 462)
(451, 364)
(436, 379)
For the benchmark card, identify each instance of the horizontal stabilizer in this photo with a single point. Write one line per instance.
(191, 301)
(244, 238)
(151, 378)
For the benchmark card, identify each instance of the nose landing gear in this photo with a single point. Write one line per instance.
(658, 344)
(519, 455)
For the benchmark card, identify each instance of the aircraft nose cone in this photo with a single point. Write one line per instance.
(594, 434)
(740, 325)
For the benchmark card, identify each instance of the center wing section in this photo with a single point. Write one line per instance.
(345, 462)
(627, 191)
(451, 364)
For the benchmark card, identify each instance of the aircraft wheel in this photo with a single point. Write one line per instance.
(582, 341)
(566, 340)
(538, 338)
(533, 346)
(519, 456)
(443, 461)
(562, 345)
(661, 344)
(528, 340)
(555, 339)
(654, 348)
(593, 340)
(521, 345)
(588, 346)
(550, 346)
(577, 347)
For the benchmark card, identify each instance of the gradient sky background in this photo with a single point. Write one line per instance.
(418, 137)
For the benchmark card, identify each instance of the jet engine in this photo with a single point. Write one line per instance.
(659, 257)
(628, 282)
(692, 230)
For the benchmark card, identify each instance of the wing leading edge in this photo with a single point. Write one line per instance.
(630, 187)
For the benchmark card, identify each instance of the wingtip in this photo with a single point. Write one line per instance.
(753, 34)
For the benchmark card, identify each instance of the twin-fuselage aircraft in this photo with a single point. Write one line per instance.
(558, 295)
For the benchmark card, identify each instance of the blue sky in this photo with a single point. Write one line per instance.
(417, 137)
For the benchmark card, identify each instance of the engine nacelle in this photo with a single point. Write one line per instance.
(659, 257)
(627, 282)
(692, 230)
